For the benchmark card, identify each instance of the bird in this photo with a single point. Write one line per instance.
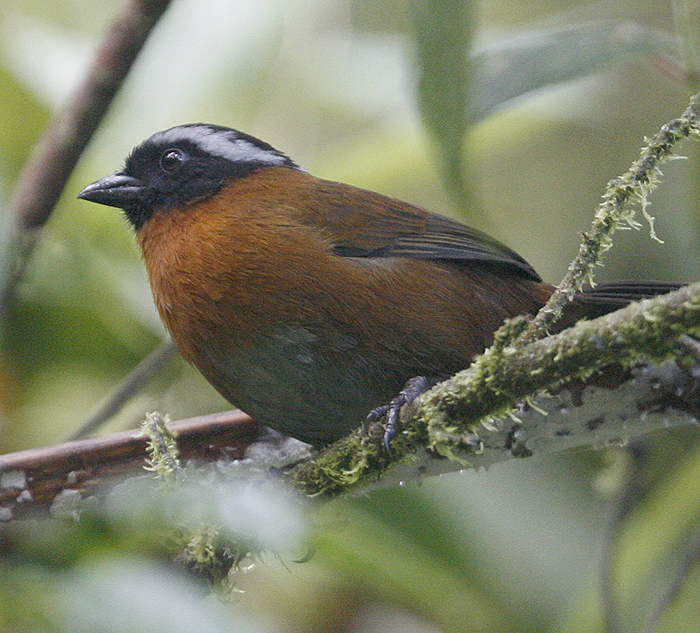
(307, 303)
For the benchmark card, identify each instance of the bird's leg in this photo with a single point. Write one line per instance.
(411, 390)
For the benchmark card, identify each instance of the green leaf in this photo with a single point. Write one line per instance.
(443, 32)
(512, 68)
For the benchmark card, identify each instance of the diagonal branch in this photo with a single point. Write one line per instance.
(633, 187)
(452, 418)
(44, 177)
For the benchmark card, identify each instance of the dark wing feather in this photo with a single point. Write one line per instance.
(624, 292)
(380, 226)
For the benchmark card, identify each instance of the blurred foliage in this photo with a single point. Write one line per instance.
(443, 31)
(556, 100)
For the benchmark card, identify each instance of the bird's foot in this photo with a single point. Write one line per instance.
(411, 390)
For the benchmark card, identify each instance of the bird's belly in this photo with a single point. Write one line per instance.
(302, 385)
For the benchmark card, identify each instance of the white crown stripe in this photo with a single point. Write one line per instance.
(219, 143)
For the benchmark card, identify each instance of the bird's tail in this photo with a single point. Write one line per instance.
(610, 296)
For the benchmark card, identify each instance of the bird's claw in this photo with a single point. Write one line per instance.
(411, 390)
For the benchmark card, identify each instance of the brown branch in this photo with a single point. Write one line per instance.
(31, 480)
(630, 402)
(44, 177)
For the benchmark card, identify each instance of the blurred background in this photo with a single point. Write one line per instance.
(519, 142)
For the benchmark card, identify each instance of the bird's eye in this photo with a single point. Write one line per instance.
(171, 159)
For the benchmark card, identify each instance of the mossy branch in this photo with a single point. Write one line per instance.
(648, 330)
(444, 420)
(163, 452)
(450, 418)
(616, 210)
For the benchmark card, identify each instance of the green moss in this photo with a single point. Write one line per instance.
(162, 448)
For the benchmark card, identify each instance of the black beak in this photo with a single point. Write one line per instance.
(116, 190)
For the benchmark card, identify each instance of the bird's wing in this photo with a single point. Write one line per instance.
(379, 226)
